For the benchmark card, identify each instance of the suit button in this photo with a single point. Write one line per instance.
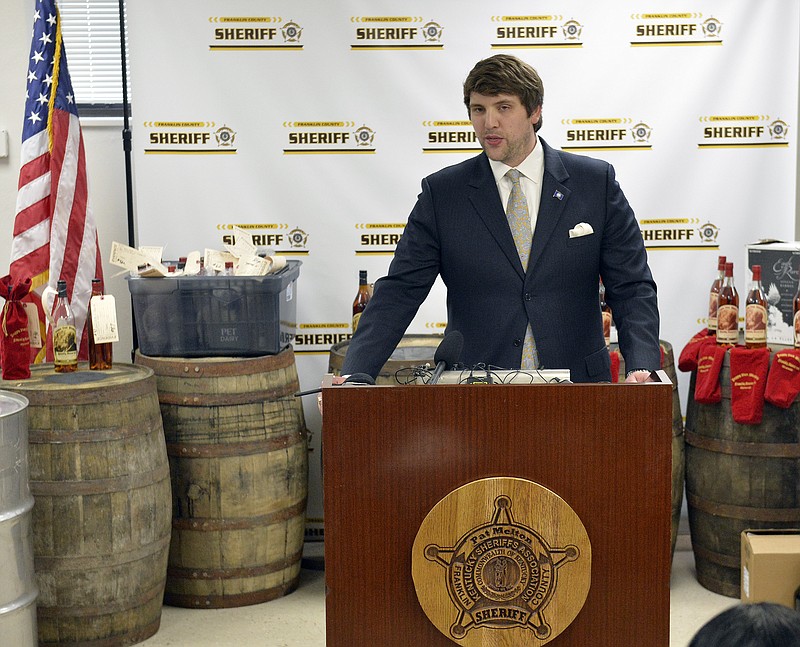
(528, 296)
(517, 343)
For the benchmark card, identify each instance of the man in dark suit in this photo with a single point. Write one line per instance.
(519, 303)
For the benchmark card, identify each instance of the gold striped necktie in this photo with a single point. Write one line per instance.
(519, 220)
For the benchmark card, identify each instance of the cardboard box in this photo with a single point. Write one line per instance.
(780, 275)
(771, 566)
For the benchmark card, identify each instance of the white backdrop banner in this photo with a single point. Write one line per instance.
(311, 124)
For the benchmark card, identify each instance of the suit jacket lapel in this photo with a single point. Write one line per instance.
(553, 201)
(486, 200)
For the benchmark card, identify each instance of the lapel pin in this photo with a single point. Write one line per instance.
(558, 195)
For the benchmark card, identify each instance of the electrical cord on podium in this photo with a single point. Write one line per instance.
(483, 374)
(478, 374)
(413, 374)
(511, 376)
(445, 357)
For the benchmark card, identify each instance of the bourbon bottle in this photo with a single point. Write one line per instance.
(605, 310)
(65, 343)
(796, 318)
(362, 298)
(100, 355)
(755, 313)
(728, 310)
(714, 295)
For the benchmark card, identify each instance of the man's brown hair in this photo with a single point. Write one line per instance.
(504, 74)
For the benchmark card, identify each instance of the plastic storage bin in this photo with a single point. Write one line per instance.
(216, 316)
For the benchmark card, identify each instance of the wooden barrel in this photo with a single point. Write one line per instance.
(738, 477)
(678, 449)
(101, 520)
(238, 454)
(412, 351)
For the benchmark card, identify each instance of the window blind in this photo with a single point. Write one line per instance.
(91, 35)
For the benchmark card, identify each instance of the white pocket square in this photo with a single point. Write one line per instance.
(581, 229)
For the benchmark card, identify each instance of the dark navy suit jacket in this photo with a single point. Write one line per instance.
(458, 229)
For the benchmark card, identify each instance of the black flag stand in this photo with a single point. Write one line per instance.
(126, 145)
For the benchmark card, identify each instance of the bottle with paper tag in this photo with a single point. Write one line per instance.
(65, 343)
(100, 354)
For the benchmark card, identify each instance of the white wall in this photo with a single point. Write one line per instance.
(104, 154)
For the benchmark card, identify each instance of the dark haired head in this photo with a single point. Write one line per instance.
(504, 74)
(751, 625)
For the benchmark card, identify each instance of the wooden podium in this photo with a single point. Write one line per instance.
(390, 454)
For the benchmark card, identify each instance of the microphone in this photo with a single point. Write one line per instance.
(447, 354)
(356, 378)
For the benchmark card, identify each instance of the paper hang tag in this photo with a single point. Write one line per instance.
(154, 253)
(252, 266)
(192, 266)
(243, 244)
(215, 259)
(130, 258)
(278, 263)
(104, 318)
(34, 333)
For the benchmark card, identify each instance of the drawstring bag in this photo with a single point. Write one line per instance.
(15, 342)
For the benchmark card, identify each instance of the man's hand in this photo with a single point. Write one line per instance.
(639, 376)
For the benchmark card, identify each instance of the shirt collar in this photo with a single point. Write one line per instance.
(532, 167)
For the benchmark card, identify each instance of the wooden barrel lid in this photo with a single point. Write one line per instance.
(190, 367)
(83, 386)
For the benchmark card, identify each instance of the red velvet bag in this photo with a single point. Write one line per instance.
(749, 367)
(687, 360)
(707, 389)
(783, 382)
(15, 343)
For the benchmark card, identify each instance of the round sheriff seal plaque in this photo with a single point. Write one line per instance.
(504, 556)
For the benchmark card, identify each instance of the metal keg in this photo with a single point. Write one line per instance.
(18, 591)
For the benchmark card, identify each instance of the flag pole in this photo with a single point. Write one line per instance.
(127, 147)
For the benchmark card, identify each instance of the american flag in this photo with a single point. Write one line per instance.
(54, 233)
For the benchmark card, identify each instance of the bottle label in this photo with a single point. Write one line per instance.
(712, 310)
(755, 324)
(356, 318)
(728, 324)
(607, 328)
(65, 348)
